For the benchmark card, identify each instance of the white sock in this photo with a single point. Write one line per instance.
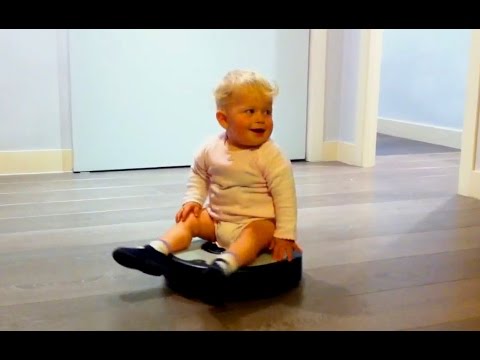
(160, 246)
(227, 262)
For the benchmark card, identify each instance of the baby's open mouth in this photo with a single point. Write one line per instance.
(258, 131)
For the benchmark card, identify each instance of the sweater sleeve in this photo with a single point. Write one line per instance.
(197, 184)
(278, 173)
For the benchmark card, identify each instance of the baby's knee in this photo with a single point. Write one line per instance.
(191, 222)
(200, 225)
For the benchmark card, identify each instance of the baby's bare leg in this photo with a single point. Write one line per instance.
(254, 238)
(179, 236)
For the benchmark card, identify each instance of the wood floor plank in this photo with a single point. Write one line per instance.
(90, 184)
(175, 199)
(364, 214)
(397, 176)
(347, 186)
(390, 145)
(180, 179)
(307, 308)
(371, 197)
(96, 205)
(12, 225)
(68, 176)
(138, 233)
(398, 272)
(89, 194)
(428, 182)
(334, 251)
(315, 308)
(92, 271)
(471, 324)
(142, 309)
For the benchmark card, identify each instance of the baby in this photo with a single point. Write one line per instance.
(240, 193)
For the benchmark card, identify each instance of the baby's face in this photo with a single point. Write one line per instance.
(249, 118)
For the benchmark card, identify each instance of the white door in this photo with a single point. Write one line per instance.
(144, 98)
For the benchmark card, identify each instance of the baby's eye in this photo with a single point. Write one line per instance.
(268, 112)
(250, 111)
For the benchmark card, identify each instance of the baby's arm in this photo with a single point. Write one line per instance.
(280, 181)
(197, 187)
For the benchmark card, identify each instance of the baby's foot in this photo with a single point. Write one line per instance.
(214, 285)
(146, 259)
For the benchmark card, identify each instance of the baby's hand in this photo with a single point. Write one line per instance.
(186, 209)
(282, 247)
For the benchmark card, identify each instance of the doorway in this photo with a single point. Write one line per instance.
(371, 70)
(422, 91)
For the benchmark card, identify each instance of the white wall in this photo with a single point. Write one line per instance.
(341, 90)
(33, 105)
(333, 85)
(64, 89)
(423, 76)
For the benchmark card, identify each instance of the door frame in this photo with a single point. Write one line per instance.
(469, 177)
(371, 42)
(369, 94)
(317, 61)
(362, 151)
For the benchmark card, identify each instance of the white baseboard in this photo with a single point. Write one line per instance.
(475, 184)
(469, 185)
(425, 133)
(35, 161)
(329, 151)
(340, 151)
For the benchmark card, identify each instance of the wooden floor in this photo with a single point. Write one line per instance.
(390, 145)
(388, 248)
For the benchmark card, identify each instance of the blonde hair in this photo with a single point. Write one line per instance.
(238, 79)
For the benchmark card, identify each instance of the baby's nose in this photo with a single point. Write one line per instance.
(260, 119)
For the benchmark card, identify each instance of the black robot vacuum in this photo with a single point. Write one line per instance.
(265, 277)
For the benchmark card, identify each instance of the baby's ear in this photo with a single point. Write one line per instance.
(222, 119)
